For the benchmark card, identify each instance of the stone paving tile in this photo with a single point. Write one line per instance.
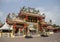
(52, 38)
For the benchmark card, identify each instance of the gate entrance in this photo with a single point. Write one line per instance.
(19, 30)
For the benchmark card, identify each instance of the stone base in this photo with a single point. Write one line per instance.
(44, 35)
(0, 34)
(12, 36)
(28, 37)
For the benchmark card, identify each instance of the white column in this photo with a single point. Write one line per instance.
(19, 32)
(0, 33)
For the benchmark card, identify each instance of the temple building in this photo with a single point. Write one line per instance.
(27, 20)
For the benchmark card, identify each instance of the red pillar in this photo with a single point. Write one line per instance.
(14, 26)
(41, 28)
(25, 25)
(26, 17)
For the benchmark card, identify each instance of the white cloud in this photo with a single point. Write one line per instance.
(2, 16)
(56, 12)
(9, 1)
(1, 13)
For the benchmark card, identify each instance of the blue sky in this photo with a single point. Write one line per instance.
(51, 8)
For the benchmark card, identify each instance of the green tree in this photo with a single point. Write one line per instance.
(54, 25)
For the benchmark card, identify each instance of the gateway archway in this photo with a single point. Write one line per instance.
(18, 29)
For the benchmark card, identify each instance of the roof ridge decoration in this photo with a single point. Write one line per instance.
(30, 10)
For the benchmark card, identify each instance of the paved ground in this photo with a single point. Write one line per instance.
(52, 38)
